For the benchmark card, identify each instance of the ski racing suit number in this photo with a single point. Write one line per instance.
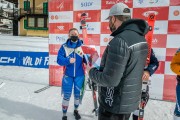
(109, 95)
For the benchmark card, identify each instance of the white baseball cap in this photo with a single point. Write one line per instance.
(119, 9)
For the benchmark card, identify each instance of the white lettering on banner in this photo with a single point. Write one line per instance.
(87, 5)
(46, 61)
(7, 60)
(38, 61)
(154, 41)
(109, 95)
(108, 2)
(27, 61)
(146, 14)
(61, 6)
(60, 27)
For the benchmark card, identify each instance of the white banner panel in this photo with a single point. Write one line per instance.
(92, 27)
(156, 86)
(173, 41)
(87, 5)
(57, 38)
(150, 3)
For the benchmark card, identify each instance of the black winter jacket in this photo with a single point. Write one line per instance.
(119, 78)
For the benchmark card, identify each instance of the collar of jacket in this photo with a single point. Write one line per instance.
(138, 25)
(71, 44)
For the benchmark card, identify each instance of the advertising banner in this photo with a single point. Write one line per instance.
(65, 14)
(25, 59)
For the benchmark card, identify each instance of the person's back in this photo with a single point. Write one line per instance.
(130, 46)
(122, 65)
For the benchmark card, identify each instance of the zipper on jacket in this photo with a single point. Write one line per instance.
(74, 63)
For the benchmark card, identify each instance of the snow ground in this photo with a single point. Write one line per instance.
(19, 102)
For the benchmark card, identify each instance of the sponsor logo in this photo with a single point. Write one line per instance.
(147, 13)
(111, 2)
(107, 39)
(176, 12)
(61, 39)
(156, 28)
(150, 1)
(90, 28)
(87, 14)
(86, 4)
(30, 61)
(7, 59)
(108, 2)
(153, 1)
(140, 1)
(59, 17)
(155, 41)
(52, 17)
(60, 27)
(61, 6)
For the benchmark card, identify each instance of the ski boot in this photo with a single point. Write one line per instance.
(64, 118)
(76, 115)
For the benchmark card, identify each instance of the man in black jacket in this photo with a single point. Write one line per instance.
(119, 78)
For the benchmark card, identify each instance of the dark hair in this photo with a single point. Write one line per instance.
(122, 17)
(73, 29)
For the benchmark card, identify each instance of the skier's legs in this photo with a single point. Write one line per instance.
(67, 84)
(78, 83)
(177, 108)
(105, 115)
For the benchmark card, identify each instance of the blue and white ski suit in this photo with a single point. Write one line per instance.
(74, 72)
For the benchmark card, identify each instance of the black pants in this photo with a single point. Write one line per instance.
(105, 115)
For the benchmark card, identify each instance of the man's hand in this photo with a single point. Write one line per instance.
(146, 75)
(72, 60)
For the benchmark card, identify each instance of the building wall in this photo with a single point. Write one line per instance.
(22, 31)
(31, 32)
(42, 33)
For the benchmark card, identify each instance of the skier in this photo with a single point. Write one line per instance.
(70, 56)
(148, 71)
(175, 67)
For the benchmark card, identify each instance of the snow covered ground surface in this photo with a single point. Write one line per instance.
(19, 102)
